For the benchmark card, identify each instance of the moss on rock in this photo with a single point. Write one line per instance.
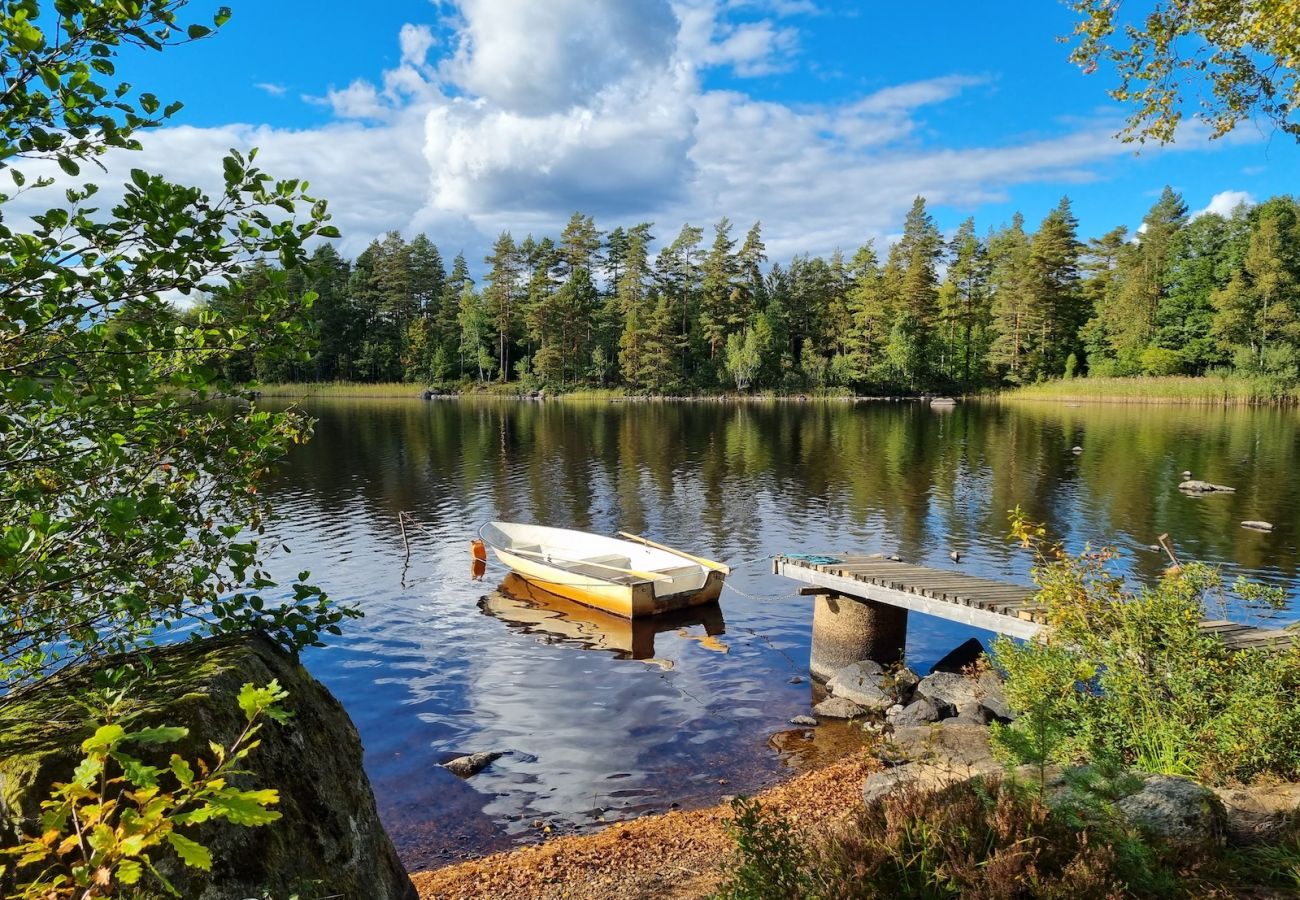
(328, 843)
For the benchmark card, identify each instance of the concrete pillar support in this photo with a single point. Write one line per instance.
(848, 629)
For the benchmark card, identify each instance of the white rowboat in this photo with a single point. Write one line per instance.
(629, 576)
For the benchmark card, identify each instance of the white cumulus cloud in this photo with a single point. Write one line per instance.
(512, 114)
(1225, 203)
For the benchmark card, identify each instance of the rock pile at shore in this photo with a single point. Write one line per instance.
(936, 734)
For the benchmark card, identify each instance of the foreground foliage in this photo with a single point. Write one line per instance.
(1246, 52)
(128, 501)
(102, 833)
(979, 838)
(1127, 677)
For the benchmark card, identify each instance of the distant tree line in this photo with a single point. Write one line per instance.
(1009, 306)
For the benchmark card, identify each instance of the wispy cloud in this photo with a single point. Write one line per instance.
(270, 87)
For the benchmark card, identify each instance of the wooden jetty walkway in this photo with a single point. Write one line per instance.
(998, 606)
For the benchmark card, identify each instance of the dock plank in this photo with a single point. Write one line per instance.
(999, 606)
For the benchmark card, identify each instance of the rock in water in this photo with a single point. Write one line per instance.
(965, 654)
(1177, 809)
(866, 684)
(805, 721)
(329, 831)
(838, 708)
(468, 766)
(1205, 487)
(1257, 525)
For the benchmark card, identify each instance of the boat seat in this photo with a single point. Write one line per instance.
(679, 570)
(609, 559)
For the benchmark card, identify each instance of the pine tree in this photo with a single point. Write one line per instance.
(920, 250)
(1054, 259)
(1099, 266)
(633, 302)
(678, 275)
(717, 317)
(579, 245)
(1013, 315)
(964, 305)
(869, 314)
(499, 296)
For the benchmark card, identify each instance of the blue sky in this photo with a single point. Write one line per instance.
(821, 117)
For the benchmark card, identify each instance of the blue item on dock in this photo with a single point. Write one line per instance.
(812, 558)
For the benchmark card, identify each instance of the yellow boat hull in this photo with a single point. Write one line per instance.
(630, 600)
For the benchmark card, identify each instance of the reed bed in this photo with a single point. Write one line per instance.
(1209, 390)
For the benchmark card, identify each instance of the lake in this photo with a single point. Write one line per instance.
(603, 721)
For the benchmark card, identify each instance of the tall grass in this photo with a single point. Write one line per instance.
(1207, 390)
(297, 390)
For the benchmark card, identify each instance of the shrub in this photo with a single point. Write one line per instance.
(1128, 677)
(772, 861)
(1161, 361)
(978, 838)
(102, 831)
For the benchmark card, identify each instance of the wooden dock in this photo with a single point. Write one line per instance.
(997, 606)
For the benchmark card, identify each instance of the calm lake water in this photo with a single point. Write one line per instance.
(602, 722)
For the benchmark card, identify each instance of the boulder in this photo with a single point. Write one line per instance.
(971, 714)
(993, 697)
(904, 683)
(962, 656)
(329, 834)
(855, 672)
(948, 692)
(468, 766)
(867, 684)
(838, 708)
(949, 746)
(929, 758)
(1259, 813)
(1205, 487)
(918, 712)
(1186, 814)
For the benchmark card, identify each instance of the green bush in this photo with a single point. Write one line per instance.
(978, 838)
(1129, 678)
(1161, 361)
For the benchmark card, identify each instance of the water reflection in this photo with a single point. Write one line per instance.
(555, 619)
(426, 673)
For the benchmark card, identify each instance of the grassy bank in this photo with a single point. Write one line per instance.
(402, 390)
(1207, 390)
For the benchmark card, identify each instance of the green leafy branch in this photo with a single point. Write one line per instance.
(100, 833)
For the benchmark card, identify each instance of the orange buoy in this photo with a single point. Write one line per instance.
(478, 567)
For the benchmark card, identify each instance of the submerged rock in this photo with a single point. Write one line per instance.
(471, 765)
(329, 834)
(1205, 487)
